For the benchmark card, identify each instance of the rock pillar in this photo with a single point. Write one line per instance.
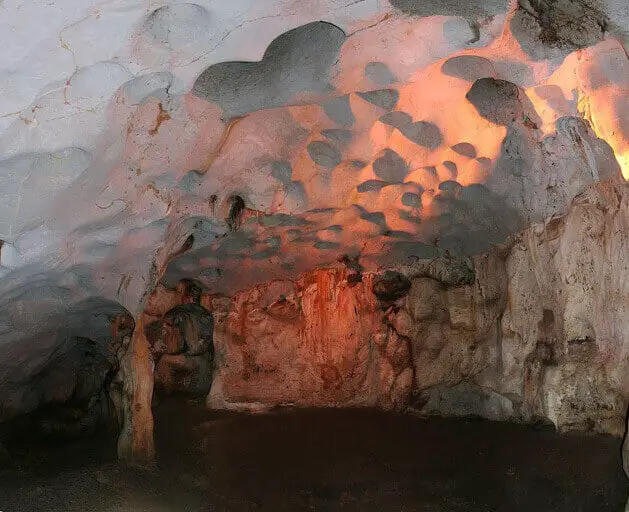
(135, 443)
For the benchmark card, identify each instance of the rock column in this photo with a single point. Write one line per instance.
(135, 443)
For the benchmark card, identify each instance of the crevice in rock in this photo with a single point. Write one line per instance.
(234, 215)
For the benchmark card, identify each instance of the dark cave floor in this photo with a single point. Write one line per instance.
(322, 460)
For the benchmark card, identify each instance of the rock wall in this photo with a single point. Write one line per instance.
(327, 340)
(68, 391)
(241, 144)
(564, 332)
(534, 330)
(559, 349)
(319, 341)
(182, 347)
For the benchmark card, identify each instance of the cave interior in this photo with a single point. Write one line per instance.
(333, 255)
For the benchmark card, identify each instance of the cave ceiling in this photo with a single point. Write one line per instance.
(243, 141)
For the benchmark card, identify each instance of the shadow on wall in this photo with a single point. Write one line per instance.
(295, 64)
(68, 391)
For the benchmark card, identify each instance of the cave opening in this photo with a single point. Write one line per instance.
(363, 255)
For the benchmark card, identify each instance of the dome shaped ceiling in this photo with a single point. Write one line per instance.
(237, 142)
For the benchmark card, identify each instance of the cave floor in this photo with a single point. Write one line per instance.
(322, 460)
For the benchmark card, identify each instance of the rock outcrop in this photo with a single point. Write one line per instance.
(563, 333)
(557, 350)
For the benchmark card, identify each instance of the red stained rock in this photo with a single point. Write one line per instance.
(326, 344)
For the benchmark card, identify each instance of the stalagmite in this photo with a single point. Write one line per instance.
(135, 443)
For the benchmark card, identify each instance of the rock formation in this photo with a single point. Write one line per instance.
(411, 205)
(182, 346)
(530, 331)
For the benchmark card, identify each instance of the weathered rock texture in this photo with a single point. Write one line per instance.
(320, 341)
(558, 349)
(531, 331)
(135, 443)
(182, 347)
(567, 315)
(244, 143)
(324, 340)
